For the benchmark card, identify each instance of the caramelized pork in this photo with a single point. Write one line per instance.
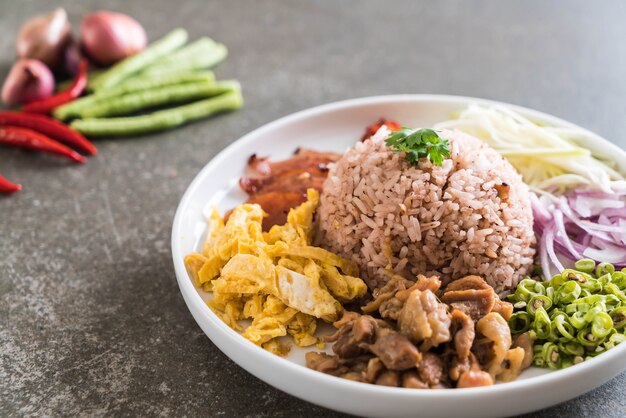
(282, 185)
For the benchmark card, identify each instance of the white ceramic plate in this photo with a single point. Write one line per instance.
(335, 127)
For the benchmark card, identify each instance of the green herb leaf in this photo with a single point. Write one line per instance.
(420, 143)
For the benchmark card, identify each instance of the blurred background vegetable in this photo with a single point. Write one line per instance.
(108, 37)
(33, 140)
(49, 127)
(161, 120)
(135, 79)
(47, 105)
(28, 80)
(133, 65)
(7, 186)
(45, 38)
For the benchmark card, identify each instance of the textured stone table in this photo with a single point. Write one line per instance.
(91, 319)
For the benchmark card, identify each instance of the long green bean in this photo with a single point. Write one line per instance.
(92, 78)
(145, 99)
(161, 120)
(147, 82)
(134, 84)
(138, 62)
(203, 59)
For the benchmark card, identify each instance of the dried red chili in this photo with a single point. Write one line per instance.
(49, 127)
(29, 139)
(46, 106)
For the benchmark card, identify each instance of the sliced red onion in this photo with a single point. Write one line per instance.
(584, 223)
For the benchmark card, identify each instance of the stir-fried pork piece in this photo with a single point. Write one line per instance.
(385, 293)
(525, 342)
(424, 319)
(358, 335)
(512, 365)
(388, 378)
(471, 295)
(390, 298)
(474, 379)
(395, 350)
(391, 308)
(493, 341)
(423, 283)
(411, 379)
(354, 330)
(475, 303)
(464, 334)
(430, 369)
(325, 363)
(333, 365)
(374, 368)
(467, 283)
(504, 308)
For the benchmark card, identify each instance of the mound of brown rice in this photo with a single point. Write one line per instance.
(391, 217)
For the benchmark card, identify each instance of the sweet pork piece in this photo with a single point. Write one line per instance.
(280, 186)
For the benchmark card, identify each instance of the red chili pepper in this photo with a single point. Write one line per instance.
(372, 129)
(50, 127)
(7, 186)
(46, 106)
(27, 138)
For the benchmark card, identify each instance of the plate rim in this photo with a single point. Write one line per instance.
(193, 299)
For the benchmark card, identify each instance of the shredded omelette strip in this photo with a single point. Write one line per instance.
(277, 279)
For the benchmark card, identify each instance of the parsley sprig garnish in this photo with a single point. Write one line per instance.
(420, 143)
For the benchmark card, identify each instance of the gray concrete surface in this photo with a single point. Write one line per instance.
(91, 319)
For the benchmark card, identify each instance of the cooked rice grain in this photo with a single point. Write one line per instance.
(445, 220)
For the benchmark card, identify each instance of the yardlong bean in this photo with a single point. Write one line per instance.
(204, 58)
(132, 85)
(161, 120)
(140, 100)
